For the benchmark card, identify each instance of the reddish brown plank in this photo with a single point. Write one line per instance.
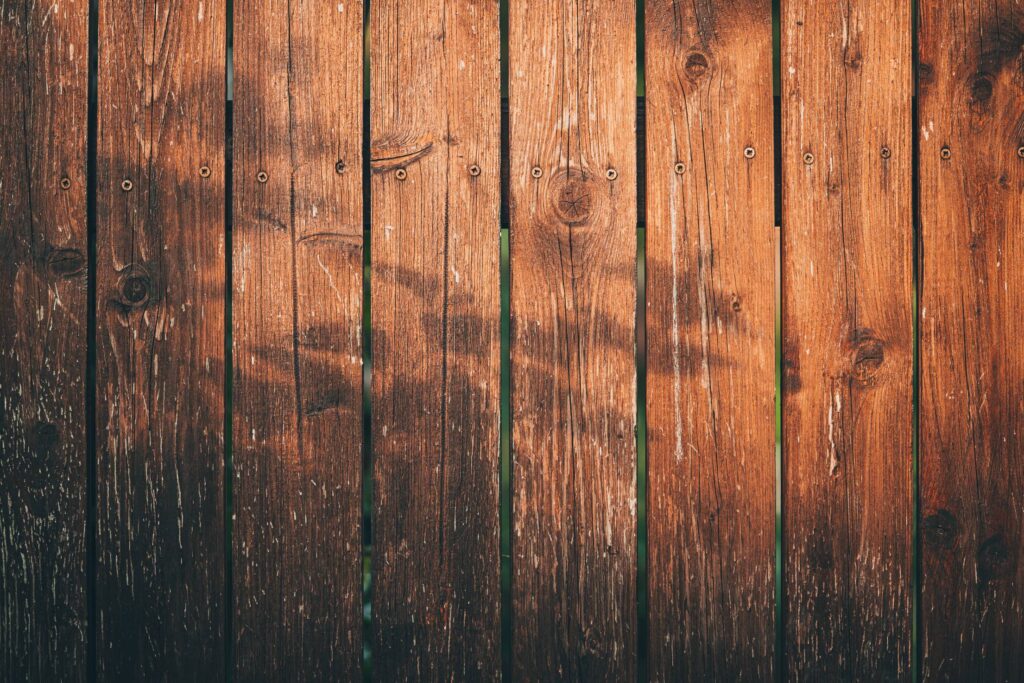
(847, 338)
(296, 314)
(435, 130)
(44, 50)
(971, 141)
(711, 340)
(160, 340)
(572, 85)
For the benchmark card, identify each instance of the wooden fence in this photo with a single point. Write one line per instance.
(219, 222)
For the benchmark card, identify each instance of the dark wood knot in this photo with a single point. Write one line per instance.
(66, 263)
(696, 65)
(136, 290)
(940, 529)
(868, 355)
(981, 88)
(993, 559)
(44, 437)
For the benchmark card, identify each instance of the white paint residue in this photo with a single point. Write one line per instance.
(200, 13)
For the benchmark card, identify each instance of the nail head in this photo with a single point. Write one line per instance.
(946, 153)
(1020, 151)
(536, 172)
(401, 174)
(808, 158)
(262, 176)
(204, 171)
(611, 174)
(680, 168)
(339, 166)
(474, 170)
(65, 182)
(886, 152)
(126, 185)
(749, 152)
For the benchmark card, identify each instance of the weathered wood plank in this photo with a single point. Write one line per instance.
(44, 49)
(297, 272)
(160, 340)
(572, 80)
(435, 132)
(971, 141)
(847, 338)
(296, 314)
(711, 340)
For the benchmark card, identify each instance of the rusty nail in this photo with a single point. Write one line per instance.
(749, 152)
(474, 170)
(1020, 151)
(611, 174)
(536, 172)
(886, 152)
(262, 176)
(945, 153)
(680, 168)
(126, 185)
(339, 166)
(808, 158)
(204, 171)
(65, 183)
(401, 174)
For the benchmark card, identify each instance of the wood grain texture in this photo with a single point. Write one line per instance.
(296, 315)
(160, 341)
(847, 338)
(44, 50)
(572, 89)
(711, 340)
(435, 120)
(971, 89)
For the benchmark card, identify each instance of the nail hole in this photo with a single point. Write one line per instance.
(65, 183)
(126, 185)
(536, 172)
(474, 170)
(401, 174)
(611, 174)
(680, 168)
(808, 158)
(886, 153)
(204, 171)
(339, 166)
(749, 152)
(946, 153)
(262, 176)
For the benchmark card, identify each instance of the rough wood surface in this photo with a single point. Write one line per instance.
(435, 134)
(297, 239)
(847, 338)
(160, 341)
(711, 340)
(44, 49)
(572, 102)
(971, 88)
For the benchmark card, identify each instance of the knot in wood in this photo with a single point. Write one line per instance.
(44, 437)
(981, 88)
(940, 529)
(65, 263)
(696, 65)
(135, 290)
(868, 355)
(574, 203)
(993, 559)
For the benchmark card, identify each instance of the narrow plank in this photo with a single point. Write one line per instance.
(572, 103)
(44, 49)
(297, 242)
(847, 338)
(160, 340)
(711, 340)
(435, 293)
(972, 364)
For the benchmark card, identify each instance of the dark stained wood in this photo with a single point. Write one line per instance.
(572, 102)
(44, 49)
(971, 92)
(435, 135)
(711, 340)
(847, 339)
(296, 315)
(160, 341)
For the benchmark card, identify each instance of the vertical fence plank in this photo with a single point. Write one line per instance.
(160, 340)
(435, 132)
(971, 141)
(572, 76)
(297, 238)
(847, 338)
(44, 50)
(711, 340)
